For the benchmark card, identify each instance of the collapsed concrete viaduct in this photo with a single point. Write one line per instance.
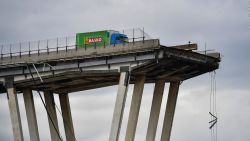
(67, 71)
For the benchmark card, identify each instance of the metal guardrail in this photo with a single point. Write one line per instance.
(82, 53)
(57, 44)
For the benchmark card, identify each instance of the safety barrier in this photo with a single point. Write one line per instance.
(57, 44)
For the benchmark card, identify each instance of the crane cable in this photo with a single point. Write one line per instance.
(213, 110)
(50, 118)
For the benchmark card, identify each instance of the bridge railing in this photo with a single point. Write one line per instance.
(57, 44)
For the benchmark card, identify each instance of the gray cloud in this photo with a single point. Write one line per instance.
(222, 25)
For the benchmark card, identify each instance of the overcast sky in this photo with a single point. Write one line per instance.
(224, 25)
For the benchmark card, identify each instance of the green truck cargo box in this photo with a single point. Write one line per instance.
(93, 39)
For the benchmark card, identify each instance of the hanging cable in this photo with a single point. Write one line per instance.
(212, 108)
(50, 118)
(215, 99)
(66, 123)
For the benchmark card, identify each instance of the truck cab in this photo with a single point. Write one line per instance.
(118, 38)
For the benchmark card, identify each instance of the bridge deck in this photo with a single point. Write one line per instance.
(75, 70)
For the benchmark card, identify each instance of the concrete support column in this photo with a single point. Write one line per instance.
(15, 114)
(31, 114)
(67, 118)
(155, 110)
(53, 123)
(170, 109)
(14, 109)
(119, 105)
(135, 108)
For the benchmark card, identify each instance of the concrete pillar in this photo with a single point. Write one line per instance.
(67, 118)
(31, 114)
(14, 114)
(53, 123)
(135, 108)
(155, 110)
(119, 106)
(170, 109)
(14, 109)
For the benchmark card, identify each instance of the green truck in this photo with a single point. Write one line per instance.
(100, 38)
